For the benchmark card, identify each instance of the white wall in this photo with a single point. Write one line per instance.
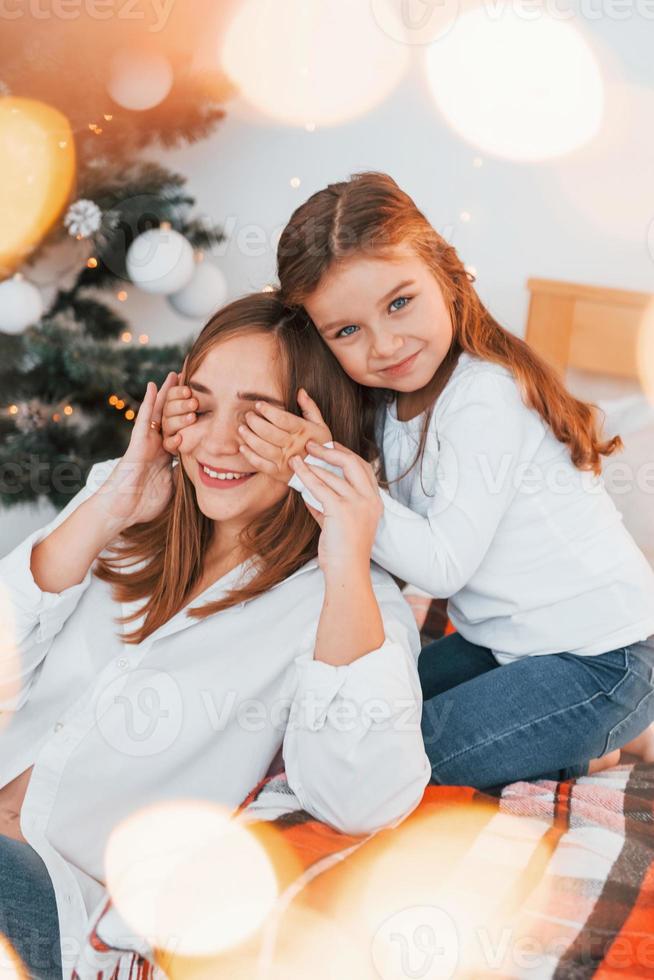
(583, 218)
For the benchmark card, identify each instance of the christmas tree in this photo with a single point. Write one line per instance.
(71, 380)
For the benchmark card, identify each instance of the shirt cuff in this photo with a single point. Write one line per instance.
(375, 687)
(296, 483)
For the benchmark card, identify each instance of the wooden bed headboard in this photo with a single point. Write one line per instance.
(589, 327)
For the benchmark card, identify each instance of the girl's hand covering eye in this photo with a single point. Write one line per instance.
(272, 435)
(352, 507)
(180, 410)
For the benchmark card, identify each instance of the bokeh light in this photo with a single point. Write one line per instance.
(519, 84)
(645, 352)
(10, 964)
(311, 63)
(601, 183)
(37, 174)
(432, 892)
(189, 878)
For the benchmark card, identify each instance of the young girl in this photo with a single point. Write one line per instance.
(241, 629)
(497, 498)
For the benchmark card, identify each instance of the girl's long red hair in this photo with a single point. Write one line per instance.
(169, 550)
(370, 213)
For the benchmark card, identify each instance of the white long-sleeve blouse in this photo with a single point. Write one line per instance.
(530, 551)
(198, 710)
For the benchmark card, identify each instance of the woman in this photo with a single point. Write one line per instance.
(286, 617)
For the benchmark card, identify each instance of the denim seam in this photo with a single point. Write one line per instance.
(648, 694)
(553, 714)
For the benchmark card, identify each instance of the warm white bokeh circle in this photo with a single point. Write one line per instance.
(139, 80)
(608, 183)
(318, 63)
(518, 84)
(189, 878)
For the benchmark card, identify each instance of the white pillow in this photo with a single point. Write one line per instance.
(628, 475)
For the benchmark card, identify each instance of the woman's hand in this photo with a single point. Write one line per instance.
(272, 436)
(142, 483)
(352, 509)
(351, 623)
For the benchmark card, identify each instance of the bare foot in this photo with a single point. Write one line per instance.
(605, 762)
(642, 746)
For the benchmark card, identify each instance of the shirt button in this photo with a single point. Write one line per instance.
(122, 662)
(58, 725)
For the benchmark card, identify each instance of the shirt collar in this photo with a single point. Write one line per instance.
(181, 620)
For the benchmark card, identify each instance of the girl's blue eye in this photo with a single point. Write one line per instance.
(341, 332)
(407, 300)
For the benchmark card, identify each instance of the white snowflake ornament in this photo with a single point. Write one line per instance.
(83, 218)
(32, 415)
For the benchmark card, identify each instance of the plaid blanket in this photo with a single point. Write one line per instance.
(540, 880)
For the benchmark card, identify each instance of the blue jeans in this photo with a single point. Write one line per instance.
(485, 724)
(28, 910)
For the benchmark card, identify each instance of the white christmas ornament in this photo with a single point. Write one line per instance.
(83, 218)
(138, 79)
(205, 292)
(160, 261)
(20, 304)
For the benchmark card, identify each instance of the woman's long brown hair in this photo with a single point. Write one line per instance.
(170, 549)
(370, 214)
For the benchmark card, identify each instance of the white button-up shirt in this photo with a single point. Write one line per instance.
(198, 710)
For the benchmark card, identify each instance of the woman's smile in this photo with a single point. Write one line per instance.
(221, 479)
